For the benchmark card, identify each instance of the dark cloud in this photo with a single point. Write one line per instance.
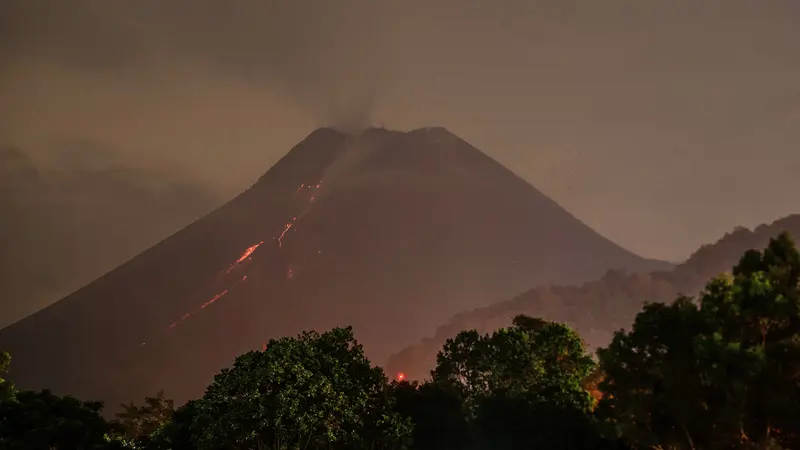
(75, 33)
(65, 224)
(331, 58)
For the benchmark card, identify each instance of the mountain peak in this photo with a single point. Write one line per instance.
(341, 156)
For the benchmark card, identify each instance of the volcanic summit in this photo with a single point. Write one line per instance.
(390, 232)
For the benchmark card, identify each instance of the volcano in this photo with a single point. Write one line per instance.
(390, 232)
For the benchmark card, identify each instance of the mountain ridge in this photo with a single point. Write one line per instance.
(598, 308)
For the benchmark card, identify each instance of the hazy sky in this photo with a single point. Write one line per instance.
(661, 124)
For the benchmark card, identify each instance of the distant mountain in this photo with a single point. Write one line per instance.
(598, 308)
(391, 232)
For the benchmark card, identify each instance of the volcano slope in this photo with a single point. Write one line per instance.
(390, 232)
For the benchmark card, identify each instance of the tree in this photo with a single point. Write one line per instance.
(312, 391)
(437, 413)
(523, 386)
(530, 356)
(754, 354)
(721, 371)
(139, 423)
(177, 433)
(42, 420)
(532, 420)
(6, 387)
(652, 394)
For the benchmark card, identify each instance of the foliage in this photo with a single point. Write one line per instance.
(138, 423)
(533, 420)
(177, 433)
(42, 420)
(437, 413)
(312, 391)
(6, 387)
(650, 386)
(521, 386)
(721, 371)
(529, 357)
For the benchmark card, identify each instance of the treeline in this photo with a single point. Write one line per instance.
(719, 371)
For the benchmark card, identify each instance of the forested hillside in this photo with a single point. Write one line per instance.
(598, 308)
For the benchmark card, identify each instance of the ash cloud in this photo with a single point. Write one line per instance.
(331, 58)
(77, 215)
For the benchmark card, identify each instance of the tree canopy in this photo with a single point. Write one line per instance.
(310, 391)
(6, 387)
(719, 370)
(43, 420)
(519, 383)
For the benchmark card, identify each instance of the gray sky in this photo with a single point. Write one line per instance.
(662, 124)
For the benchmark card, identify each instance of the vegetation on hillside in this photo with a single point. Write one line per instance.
(597, 308)
(720, 370)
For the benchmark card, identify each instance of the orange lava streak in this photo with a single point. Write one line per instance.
(290, 224)
(248, 252)
(183, 317)
(210, 301)
(214, 298)
(285, 230)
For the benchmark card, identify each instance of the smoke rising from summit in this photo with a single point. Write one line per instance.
(332, 59)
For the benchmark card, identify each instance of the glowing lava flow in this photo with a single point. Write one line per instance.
(291, 223)
(214, 298)
(204, 305)
(285, 230)
(246, 254)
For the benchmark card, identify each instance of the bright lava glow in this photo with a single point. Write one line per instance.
(245, 256)
(285, 230)
(214, 298)
(248, 252)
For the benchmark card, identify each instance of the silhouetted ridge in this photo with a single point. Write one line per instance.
(598, 308)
